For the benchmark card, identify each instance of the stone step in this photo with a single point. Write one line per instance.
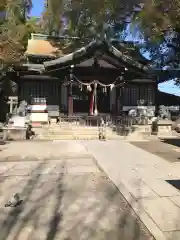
(64, 129)
(67, 137)
(76, 131)
(76, 134)
(76, 137)
(74, 128)
(64, 132)
(57, 132)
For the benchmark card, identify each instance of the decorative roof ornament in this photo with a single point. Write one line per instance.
(112, 86)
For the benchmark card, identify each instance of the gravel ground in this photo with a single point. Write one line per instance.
(67, 198)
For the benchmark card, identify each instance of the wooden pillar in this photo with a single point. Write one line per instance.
(59, 96)
(156, 99)
(122, 99)
(70, 100)
(64, 98)
(95, 100)
(19, 89)
(3, 101)
(91, 102)
(119, 99)
(112, 96)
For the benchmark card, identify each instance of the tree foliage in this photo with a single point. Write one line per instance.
(159, 22)
(159, 16)
(51, 21)
(84, 18)
(14, 30)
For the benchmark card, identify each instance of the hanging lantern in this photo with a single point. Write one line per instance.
(89, 89)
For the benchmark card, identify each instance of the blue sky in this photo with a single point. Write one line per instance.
(168, 87)
(37, 7)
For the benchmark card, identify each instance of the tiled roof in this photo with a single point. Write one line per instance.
(43, 48)
(89, 51)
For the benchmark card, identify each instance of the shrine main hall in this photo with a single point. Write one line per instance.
(99, 78)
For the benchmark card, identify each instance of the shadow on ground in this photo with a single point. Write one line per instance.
(162, 148)
(58, 206)
(2, 142)
(174, 141)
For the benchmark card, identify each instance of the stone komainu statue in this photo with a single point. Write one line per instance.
(164, 112)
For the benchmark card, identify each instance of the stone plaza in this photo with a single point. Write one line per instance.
(65, 195)
(90, 190)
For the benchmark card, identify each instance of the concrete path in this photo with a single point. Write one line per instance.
(140, 176)
(65, 196)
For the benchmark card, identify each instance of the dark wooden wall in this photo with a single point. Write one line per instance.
(131, 93)
(39, 89)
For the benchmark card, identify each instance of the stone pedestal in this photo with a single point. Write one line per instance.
(14, 133)
(165, 128)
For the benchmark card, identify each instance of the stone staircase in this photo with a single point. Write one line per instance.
(67, 131)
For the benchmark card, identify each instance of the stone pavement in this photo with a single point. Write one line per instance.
(65, 196)
(140, 176)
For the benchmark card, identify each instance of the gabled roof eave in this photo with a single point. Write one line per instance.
(88, 51)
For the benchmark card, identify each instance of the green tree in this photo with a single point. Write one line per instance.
(83, 18)
(14, 30)
(52, 17)
(87, 18)
(158, 17)
(159, 21)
